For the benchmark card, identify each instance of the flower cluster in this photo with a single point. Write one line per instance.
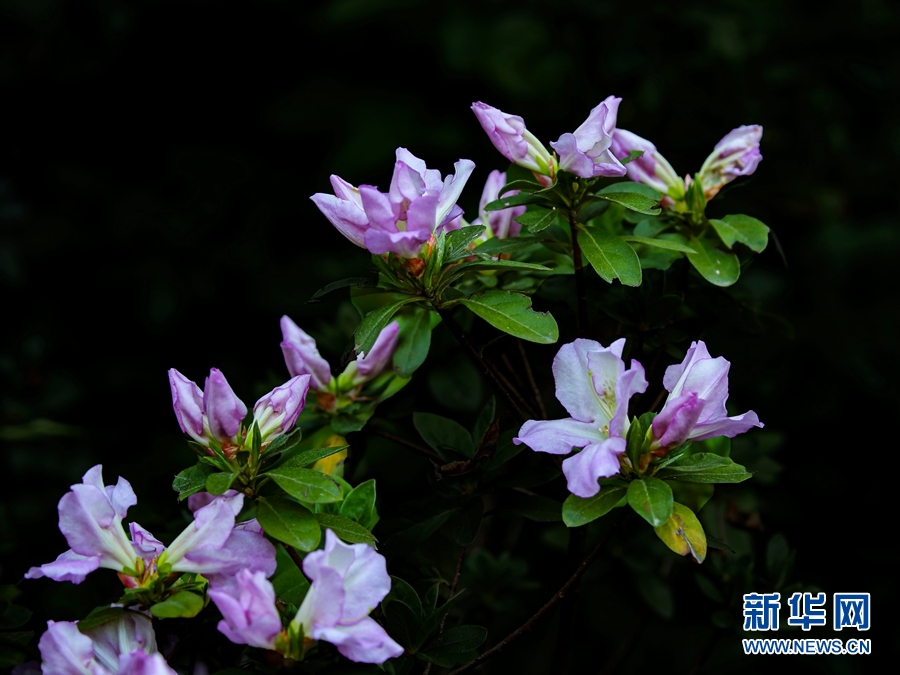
(216, 414)
(594, 387)
(418, 205)
(348, 581)
(214, 545)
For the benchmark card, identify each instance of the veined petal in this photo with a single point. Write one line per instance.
(324, 601)
(187, 401)
(674, 377)
(558, 437)
(363, 642)
(141, 663)
(571, 158)
(371, 365)
(404, 244)
(726, 426)
(65, 651)
(379, 210)
(277, 412)
(708, 378)
(630, 382)
(211, 528)
(249, 612)
(347, 216)
(68, 566)
(573, 381)
(145, 545)
(675, 422)
(584, 469)
(406, 184)
(421, 216)
(452, 188)
(124, 635)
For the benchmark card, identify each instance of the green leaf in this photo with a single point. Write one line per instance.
(181, 605)
(359, 505)
(577, 511)
(433, 620)
(100, 616)
(512, 314)
(610, 256)
(289, 583)
(494, 246)
(683, 533)
(444, 434)
(290, 522)
(500, 265)
(454, 645)
(533, 507)
(192, 480)
(632, 196)
(660, 243)
(538, 219)
(218, 483)
(346, 529)
(718, 267)
(374, 322)
(705, 468)
(463, 525)
(457, 242)
(651, 498)
(751, 232)
(514, 200)
(306, 484)
(358, 282)
(415, 340)
(632, 155)
(635, 440)
(296, 458)
(404, 593)
(524, 185)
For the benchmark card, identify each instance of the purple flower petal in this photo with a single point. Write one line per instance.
(187, 400)
(558, 437)
(363, 642)
(68, 566)
(276, 413)
(596, 461)
(248, 610)
(301, 355)
(224, 410)
(64, 650)
(344, 210)
(371, 365)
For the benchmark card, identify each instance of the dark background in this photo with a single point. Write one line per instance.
(155, 173)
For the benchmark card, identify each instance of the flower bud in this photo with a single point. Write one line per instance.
(301, 355)
(513, 140)
(737, 154)
(187, 400)
(371, 365)
(651, 168)
(224, 410)
(276, 413)
(586, 151)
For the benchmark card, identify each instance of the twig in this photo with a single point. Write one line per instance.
(483, 365)
(298, 561)
(584, 326)
(518, 632)
(459, 561)
(409, 444)
(534, 388)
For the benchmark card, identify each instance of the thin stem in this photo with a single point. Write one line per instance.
(298, 561)
(559, 595)
(584, 326)
(409, 444)
(530, 375)
(482, 365)
(459, 562)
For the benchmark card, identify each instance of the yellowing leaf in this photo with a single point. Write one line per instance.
(683, 533)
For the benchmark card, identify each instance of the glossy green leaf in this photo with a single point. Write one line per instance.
(415, 340)
(100, 616)
(346, 529)
(290, 522)
(358, 282)
(514, 200)
(305, 484)
(456, 242)
(683, 533)
(577, 511)
(537, 219)
(296, 457)
(524, 185)
(754, 234)
(501, 265)
(403, 592)
(705, 468)
(289, 583)
(374, 322)
(192, 480)
(631, 197)
(660, 243)
(218, 483)
(610, 256)
(718, 267)
(652, 499)
(359, 504)
(180, 605)
(444, 434)
(512, 314)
